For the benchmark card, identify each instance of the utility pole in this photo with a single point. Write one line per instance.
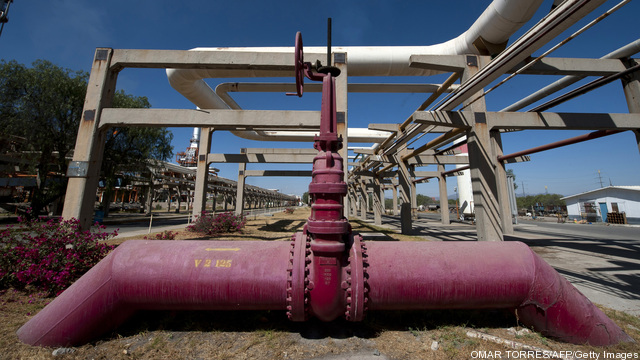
(4, 12)
(523, 195)
(600, 177)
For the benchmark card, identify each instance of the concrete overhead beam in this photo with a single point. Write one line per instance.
(277, 173)
(193, 59)
(364, 151)
(260, 158)
(285, 152)
(544, 66)
(426, 160)
(317, 87)
(563, 121)
(218, 119)
(445, 63)
(530, 120)
(426, 174)
(571, 66)
(385, 127)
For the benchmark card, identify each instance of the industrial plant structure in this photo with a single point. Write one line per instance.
(327, 271)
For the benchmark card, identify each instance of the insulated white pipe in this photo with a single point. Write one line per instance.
(356, 135)
(495, 25)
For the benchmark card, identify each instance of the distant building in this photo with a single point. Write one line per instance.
(611, 201)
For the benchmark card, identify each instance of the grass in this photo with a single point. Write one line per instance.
(269, 335)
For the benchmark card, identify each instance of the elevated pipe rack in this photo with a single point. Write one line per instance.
(325, 272)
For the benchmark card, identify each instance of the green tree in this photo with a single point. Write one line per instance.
(42, 104)
(526, 202)
(388, 203)
(305, 197)
(128, 149)
(424, 200)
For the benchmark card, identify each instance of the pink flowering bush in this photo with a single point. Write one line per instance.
(49, 255)
(212, 224)
(165, 235)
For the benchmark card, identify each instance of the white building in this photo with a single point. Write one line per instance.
(594, 205)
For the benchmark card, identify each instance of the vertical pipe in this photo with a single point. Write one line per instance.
(329, 42)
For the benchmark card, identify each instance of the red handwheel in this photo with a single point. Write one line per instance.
(299, 63)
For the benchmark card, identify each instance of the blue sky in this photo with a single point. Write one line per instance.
(67, 32)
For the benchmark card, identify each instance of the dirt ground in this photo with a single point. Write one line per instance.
(269, 335)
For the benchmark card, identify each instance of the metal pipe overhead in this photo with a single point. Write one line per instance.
(453, 171)
(557, 144)
(495, 25)
(546, 29)
(623, 52)
(560, 19)
(584, 89)
(357, 135)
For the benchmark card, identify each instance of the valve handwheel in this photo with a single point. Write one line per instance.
(299, 63)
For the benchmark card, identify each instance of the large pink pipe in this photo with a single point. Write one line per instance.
(178, 275)
(448, 275)
(255, 275)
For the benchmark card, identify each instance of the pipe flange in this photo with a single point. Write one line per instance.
(357, 290)
(297, 278)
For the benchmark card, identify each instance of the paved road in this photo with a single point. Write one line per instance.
(603, 262)
(138, 225)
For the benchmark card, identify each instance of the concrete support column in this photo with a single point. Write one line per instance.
(378, 201)
(84, 170)
(414, 197)
(367, 198)
(631, 87)
(352, 201)
(502, 184)
(242, 167)
(444, 199)
(394, 187)
(363, 201)
(178, 189)
(149, 199)
(405, 183)
(202, 173)
(340, 61)
(483, 163)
